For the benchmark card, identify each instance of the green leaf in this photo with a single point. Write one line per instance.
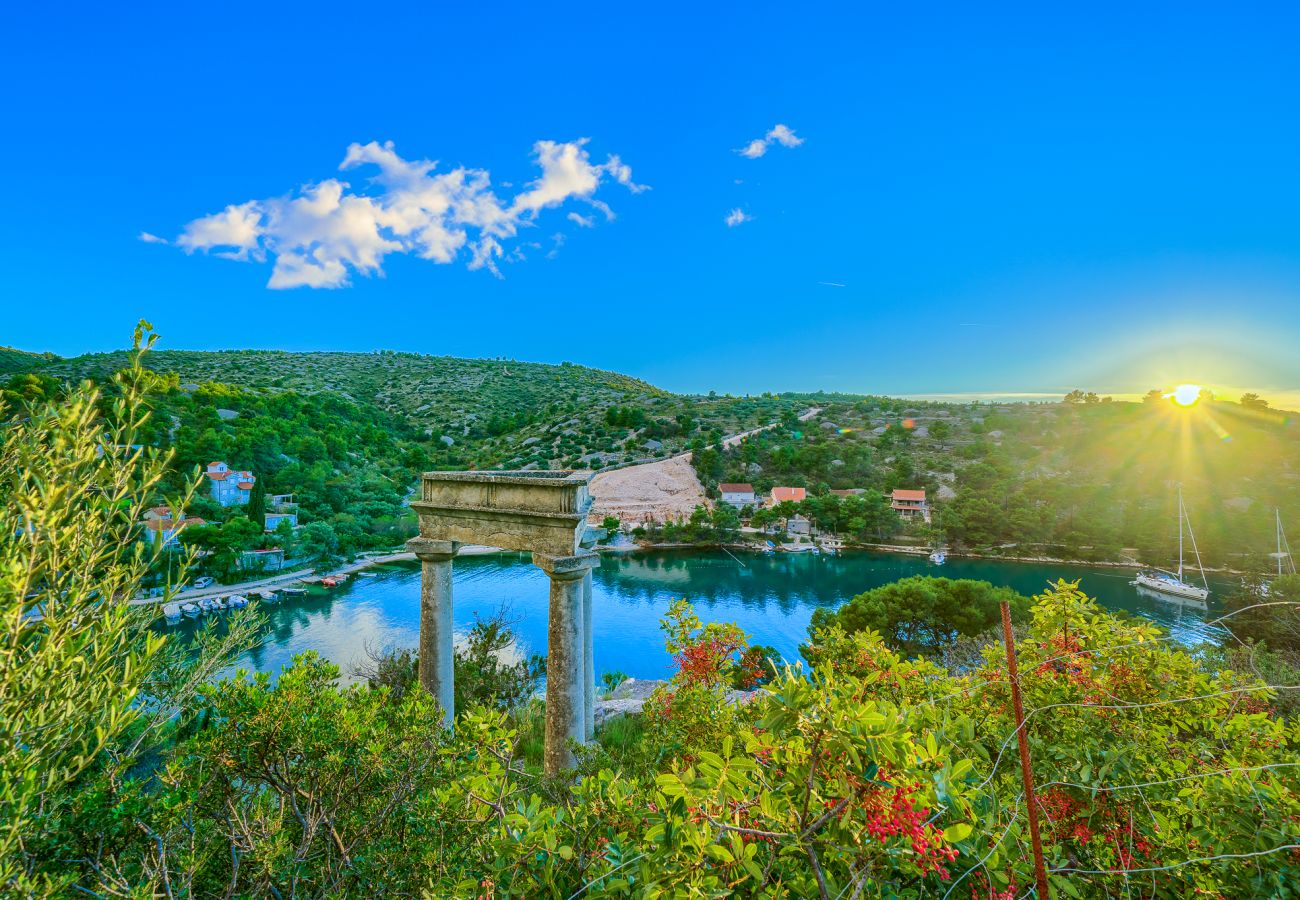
(956, 832)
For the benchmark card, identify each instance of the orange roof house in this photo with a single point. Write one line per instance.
(795, 494)
(229, 486)
(910, 504)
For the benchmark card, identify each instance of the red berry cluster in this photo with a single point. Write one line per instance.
(892, 812)
(1069, 818)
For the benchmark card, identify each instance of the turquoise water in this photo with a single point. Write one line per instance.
(771, 597)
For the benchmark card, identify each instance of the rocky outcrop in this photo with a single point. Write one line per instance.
(631, 696)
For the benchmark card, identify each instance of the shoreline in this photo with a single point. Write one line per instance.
(907, 550)
(298, 576)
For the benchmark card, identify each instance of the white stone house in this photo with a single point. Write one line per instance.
(229, 487)
(738, 495)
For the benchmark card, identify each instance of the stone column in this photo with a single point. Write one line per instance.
(588, 663)
(565, 666)
(437, 655)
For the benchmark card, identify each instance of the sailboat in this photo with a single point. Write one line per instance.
(1172, 583)
(1285, 561)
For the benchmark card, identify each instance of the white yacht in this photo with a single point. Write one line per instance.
(938, 557)
(1173, 583)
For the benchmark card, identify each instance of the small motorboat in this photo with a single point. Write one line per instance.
(207, 605)
(191, 609)
(236, 601)
(268, 596)
(329, 582)
(365, 574)
(938, 557)
(172, 612)
(221, 603)
(293, 591)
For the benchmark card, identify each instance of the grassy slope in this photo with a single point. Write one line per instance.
(493, 412)
(13, 361)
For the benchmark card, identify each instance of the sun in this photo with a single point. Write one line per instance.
(1186, 394)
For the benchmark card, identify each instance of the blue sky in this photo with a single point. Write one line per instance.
(1014, 199)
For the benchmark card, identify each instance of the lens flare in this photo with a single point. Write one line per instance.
(1186, 394)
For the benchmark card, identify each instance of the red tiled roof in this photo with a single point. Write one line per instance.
(904, 494)
(164, 524)
(215, 463)
(245, 485)
(736, 488)
(218, 476)
(780, 494)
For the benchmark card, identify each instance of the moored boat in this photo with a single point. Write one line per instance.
(207, 605)
(236, 601)
(1173, 583)
(268, 596)
(191, 609)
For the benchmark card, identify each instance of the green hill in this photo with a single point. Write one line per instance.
(479, 412)
(15, 361)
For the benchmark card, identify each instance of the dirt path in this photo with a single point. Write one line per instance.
(661, 490)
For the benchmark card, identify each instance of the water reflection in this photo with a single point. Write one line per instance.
(771, 597)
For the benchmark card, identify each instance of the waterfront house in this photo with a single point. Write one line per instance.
(798, 524)
(262, 560)
(910, 504)
(738, 495)
(793, 494)
(229, 487)
(281, 508)
(162, 529)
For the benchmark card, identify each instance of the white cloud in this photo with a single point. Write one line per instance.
(784, 136)
(582, 221)
(780, 134)
(319, 237)
(152, 238)
(737, 217)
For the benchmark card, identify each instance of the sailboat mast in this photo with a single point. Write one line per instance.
(1278, 513)
(1180, 532)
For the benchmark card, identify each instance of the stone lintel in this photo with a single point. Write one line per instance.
(427, 548)
(567, 568)
(550, 533)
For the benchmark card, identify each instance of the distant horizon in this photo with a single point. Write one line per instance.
(1285, 401)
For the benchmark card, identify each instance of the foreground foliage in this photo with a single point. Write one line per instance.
(129, 771)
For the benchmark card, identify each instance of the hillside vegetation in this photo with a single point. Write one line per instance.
(1073, 479)
(485, 413)
(12, 360)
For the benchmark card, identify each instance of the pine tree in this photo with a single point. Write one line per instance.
(257, 505)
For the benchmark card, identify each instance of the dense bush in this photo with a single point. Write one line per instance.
(923, 614)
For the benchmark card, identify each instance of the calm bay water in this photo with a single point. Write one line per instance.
(771, 597)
